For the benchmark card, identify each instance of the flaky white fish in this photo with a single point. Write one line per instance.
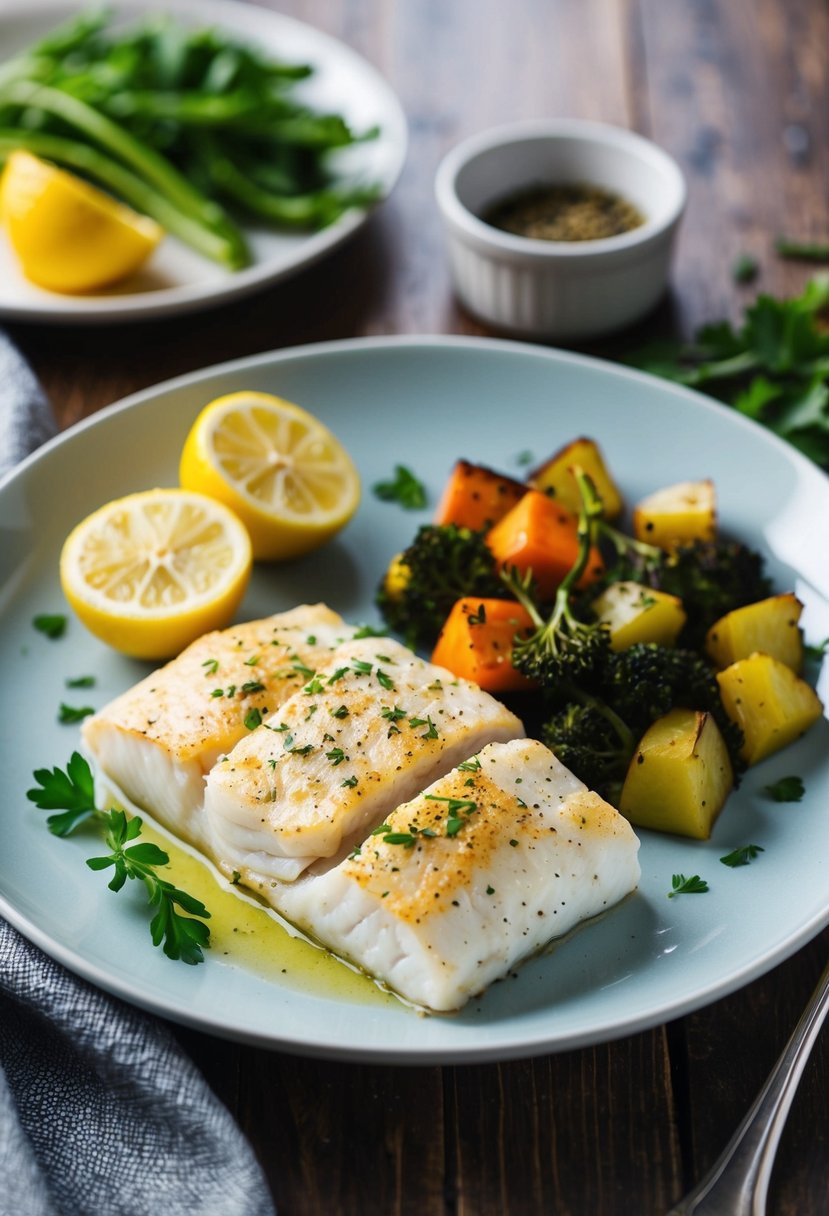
(482, 869)
(157, 741)
(373, 727)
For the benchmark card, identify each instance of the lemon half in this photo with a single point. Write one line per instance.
(287, 477)
(69, 236)
(151, 572)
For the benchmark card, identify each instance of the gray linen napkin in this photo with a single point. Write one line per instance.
(101, 1112)
(26, 420)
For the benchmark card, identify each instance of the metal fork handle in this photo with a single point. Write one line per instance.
(738, 1183)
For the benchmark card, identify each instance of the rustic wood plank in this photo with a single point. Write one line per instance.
(345, 1138)
(731, 1047)
(733, 91)
(585, 1131)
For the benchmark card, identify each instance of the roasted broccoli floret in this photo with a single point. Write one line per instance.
(597, 734)
(443, 563)
(646, 681)
(711, 578)
(593, 742)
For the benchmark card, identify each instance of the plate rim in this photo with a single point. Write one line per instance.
(603, 1030)
(187, 298)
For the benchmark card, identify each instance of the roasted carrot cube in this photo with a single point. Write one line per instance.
(541, 535)
(476, 642)
(477, 497)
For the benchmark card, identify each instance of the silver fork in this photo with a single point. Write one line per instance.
(738, 1183)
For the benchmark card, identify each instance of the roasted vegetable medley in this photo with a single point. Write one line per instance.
(657, 665)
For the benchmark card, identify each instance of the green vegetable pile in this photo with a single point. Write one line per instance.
(187, 127)
(774, 368)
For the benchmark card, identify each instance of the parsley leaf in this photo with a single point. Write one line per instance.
(742, 856)
(80, 682)
(680, 885)
(816, 650)
(787, 789)
(53, 624)
(72, 792)
(404, 488)
(774, 367)
(71, 713)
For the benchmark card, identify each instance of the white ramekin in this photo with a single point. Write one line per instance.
(562, 290)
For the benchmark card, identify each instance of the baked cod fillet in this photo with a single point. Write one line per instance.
(158, 741)
(370, 729)
(482, 869)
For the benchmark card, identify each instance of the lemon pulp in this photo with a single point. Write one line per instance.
(69, 236)
(287, 477)
(151, 572)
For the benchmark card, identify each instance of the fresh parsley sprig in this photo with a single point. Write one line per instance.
(773, 368)
(182, 937)
(72, 792)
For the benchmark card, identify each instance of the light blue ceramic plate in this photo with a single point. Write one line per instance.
(423, 402)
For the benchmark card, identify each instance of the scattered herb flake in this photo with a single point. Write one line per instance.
(745, 268)
(211, 666)
(787, 789)
(253, 718)
(680, 885)
(742, 856)
(404, 488)
(816, 650)
(80, 682)
(71, 713)
(53, 624)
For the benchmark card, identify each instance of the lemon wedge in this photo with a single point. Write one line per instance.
(151, 572)
(69, 236)
(289, 480)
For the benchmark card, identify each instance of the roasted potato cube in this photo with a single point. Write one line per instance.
(677, 514)
(769, 626)
(771, 704)
(679, 777)
(555, 476)
(634, 613)
(396, 578)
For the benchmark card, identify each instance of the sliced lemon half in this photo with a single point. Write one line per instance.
(151, 572)
(69, 236)
(287, 477)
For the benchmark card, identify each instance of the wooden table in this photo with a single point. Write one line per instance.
(738, 91)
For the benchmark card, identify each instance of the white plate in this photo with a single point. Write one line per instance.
(176, 279)
(424, 402)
